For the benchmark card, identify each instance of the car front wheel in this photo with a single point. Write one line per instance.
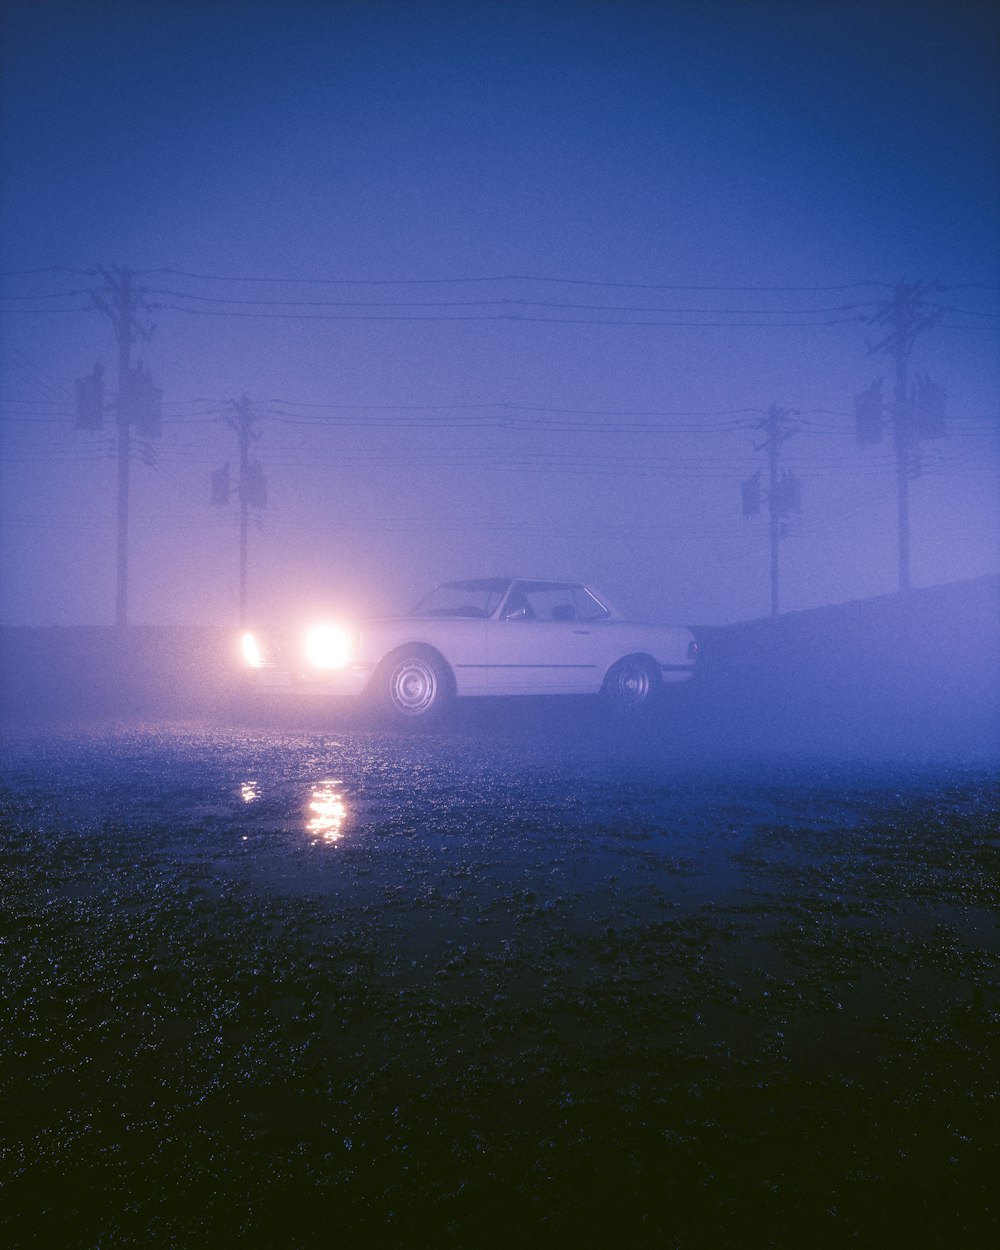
(631, 685)
(416, 685)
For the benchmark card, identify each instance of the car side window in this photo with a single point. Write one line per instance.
(587, 607)
(552, 601)
(518, 608)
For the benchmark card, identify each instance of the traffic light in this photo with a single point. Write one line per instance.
(928, 408)
(143, 403)
(90, 400)
(788, 494)
(220, 486)
(868, 408)
(750, 491)
(253, 491)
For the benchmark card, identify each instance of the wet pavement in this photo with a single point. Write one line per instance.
(538, 982)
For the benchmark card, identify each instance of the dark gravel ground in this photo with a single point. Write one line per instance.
(538, 985)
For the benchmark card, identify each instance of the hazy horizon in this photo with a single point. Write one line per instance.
(510, 288)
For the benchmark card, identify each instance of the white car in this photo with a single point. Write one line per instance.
(485, 636)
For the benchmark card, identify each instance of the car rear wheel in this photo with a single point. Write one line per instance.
(631, 685)
(416, 685)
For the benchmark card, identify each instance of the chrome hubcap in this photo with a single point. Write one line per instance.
(413, 688)
(633, 685)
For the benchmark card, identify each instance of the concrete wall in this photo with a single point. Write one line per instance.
(98, 671)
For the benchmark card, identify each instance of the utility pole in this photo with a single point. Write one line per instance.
(784, 490)
(243, 424)
(917, 410)
(138, 403)
(251, 489)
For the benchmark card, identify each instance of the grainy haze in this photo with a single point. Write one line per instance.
(570, 255)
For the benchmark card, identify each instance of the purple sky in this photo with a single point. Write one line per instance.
(510, 285)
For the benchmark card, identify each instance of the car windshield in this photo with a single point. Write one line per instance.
(474, 599)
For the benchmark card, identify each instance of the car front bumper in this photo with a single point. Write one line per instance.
(349, 681)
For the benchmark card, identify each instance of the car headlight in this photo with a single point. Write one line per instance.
(327, 646)
(253, 652)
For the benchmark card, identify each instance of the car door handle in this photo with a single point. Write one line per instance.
(581, 631)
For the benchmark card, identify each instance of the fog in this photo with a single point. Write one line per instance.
(310, 307)
(508, 291)
(898, 677)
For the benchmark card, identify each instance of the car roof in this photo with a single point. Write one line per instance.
(479, 583)
(501, 583)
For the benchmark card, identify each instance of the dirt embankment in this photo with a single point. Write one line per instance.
(893, 674)
(919, 672)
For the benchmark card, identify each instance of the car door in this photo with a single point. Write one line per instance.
(536, 644)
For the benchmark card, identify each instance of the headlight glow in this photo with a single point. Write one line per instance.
(252, 651)
(328, 646)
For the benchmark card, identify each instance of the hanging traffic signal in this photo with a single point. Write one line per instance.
(142, 403)
(220, 486)
(788, 494)
(750, 491)
(928, 407)
(90, 400)
(868, 410)
(253, 490)
(149, 416)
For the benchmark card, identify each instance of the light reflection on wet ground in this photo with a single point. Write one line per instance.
(327, 811)
(504, 970)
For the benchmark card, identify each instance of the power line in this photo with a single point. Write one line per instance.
(501, 278)
(50, 390)
(46, 295)
(509, 302)
(23, 312)
(24, 273)
(970, 312)
(515, 318)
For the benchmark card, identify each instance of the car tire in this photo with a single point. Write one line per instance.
(416, 685)
(632, 685)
